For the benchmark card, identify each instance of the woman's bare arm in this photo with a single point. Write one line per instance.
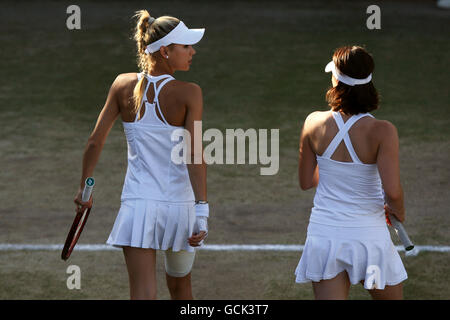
(197, 165)
(97, 139)
(308, 171)
(389, 168)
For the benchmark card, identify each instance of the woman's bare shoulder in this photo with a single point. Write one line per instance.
(185, 91)
(383, 129)
(126, 79)
(318, 115)
(378, 124)
(186, 87)
(316, 118)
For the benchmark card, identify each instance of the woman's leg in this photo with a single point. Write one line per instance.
(178, 274)
(388, 293)
(141, 272)
(180, 287)
(332, 289)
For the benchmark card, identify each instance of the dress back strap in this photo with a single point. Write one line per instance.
(342, 134)
(144, 97)
(157, 91)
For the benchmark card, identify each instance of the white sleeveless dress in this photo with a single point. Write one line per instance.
(157, 202)
(347, 229)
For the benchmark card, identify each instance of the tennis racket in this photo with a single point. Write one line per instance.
(79, 221)
(400, 231)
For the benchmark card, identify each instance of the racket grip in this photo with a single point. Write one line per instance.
(87, 191)
(401, 232)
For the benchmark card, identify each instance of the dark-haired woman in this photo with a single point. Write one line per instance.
(163, 203)
(352, 159)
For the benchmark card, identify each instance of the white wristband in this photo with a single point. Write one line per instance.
(202, 224)
(202, 210)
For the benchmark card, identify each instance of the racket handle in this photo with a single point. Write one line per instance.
(87, 191)
(401, 232)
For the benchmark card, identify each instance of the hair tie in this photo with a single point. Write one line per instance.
(150, 21)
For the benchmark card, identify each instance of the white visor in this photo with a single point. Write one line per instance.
(331, 67)
(179, 35)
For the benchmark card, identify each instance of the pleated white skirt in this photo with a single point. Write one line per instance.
(361, 251)
(153, 224)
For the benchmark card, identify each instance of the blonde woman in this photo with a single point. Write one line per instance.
(163, 204)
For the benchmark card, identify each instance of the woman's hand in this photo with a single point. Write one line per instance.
(399, 214)
(196, 238)
(80, 205)
(200, 231)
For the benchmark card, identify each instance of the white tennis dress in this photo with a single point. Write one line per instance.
(347, 229)
(157, 202)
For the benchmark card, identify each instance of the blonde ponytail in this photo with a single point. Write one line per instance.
(148, 30)
(141, 36)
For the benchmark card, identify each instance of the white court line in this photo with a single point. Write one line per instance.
(207, 247)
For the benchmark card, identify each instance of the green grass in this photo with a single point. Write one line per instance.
(232, 275)
(260, 65)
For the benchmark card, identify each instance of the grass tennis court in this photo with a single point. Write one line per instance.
(260, 65)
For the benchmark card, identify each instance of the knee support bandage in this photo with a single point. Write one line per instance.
(178, 264)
